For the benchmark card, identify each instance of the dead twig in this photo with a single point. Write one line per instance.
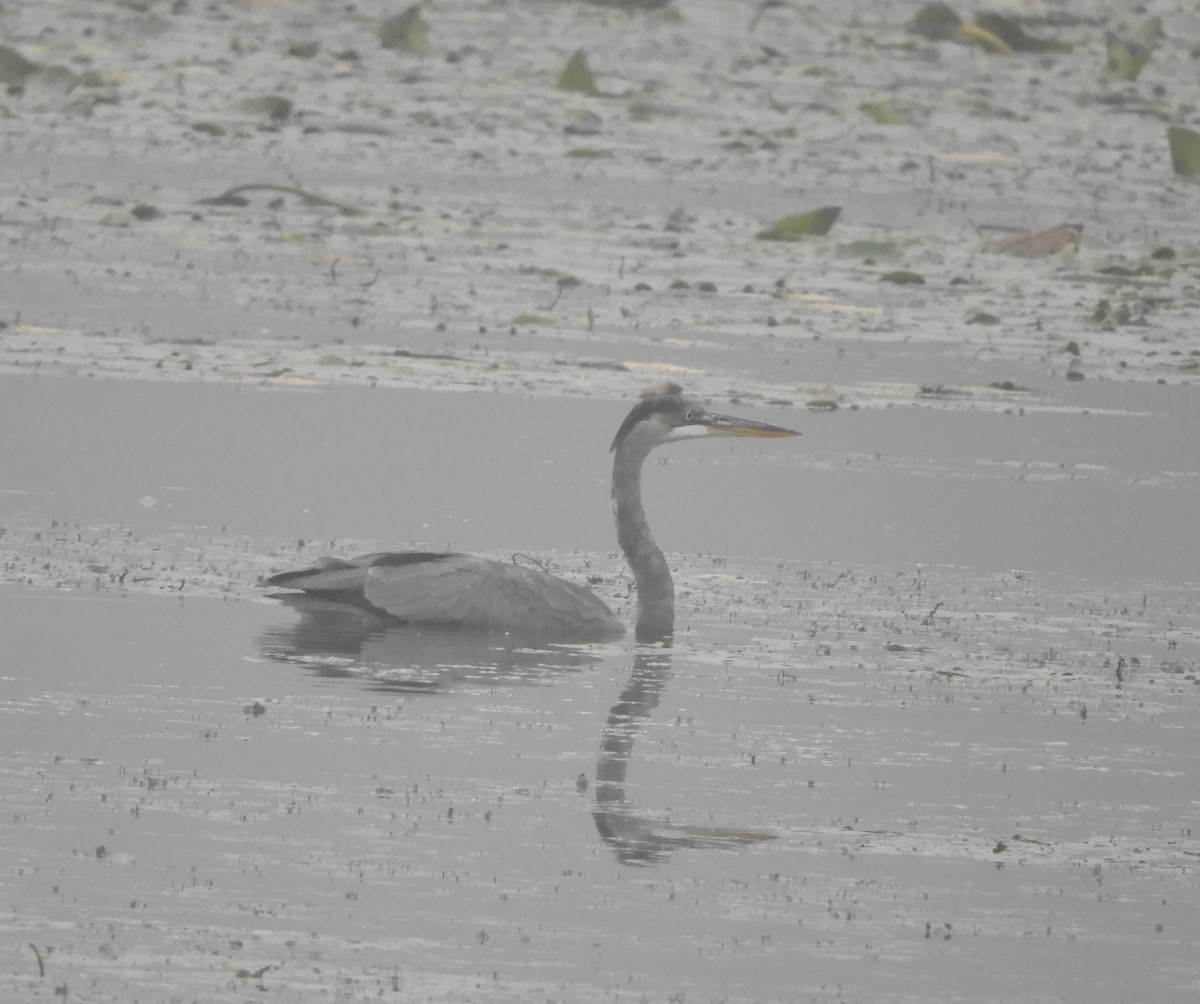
(233, 197)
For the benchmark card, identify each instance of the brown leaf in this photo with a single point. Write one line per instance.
(1036, 243)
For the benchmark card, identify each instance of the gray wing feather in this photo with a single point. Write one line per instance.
(464, 591)
(331, 575)
(458, 590)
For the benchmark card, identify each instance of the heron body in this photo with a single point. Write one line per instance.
(462, 591)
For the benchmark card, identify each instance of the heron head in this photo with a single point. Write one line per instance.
(664, 415)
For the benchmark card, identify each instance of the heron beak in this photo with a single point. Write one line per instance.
(728, 425)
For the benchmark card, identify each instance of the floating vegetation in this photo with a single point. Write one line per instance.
(937, 22)
(995, 33)
(903, 277)
(140, 213)
(269, 106)
(406, 32)
(1185, 151)
(1015, 37)
(1109, 315)
(981, 317)
(15, 69)
(233, 197)
(583, 122)
(304, 50)
(51, 82)
(1124, 59)
(883, 112)
(870, 251)
(1036, 243)
(38, 82)
(815, 223)
(577, 76)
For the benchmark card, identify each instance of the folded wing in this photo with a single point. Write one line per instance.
(461, 591)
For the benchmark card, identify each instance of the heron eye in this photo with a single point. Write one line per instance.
(687, 416)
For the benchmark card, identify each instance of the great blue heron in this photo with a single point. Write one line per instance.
(461, 591)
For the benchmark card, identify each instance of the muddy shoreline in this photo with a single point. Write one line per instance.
(928, 729)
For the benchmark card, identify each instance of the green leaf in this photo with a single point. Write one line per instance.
(576, 76)
(1037, 243)
(1125, 59)
(51, 82)
(1185, 150)
(981, 317)
(1015, 37)
(117, 218)
(15, 69)
(969, 31)
(270, 106)
(406, 32)
(870, 250)
(304, 50)
(902, 277)
(793, 228)
(883, 112)
(936, 22)
(1150, 32)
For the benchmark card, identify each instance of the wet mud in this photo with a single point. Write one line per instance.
(927, 731)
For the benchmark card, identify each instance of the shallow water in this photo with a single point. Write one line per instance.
(1076, 486)
(885, 806)
(928, 729)
(841, 770)
(973, 753)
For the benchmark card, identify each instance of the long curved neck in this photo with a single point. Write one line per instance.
(655, 590)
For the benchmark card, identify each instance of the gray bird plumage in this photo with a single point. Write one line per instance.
(462, 591)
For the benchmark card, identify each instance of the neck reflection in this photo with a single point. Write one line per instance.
(637, 839)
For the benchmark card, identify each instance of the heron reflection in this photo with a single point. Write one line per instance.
(340, 641)
(463, 592)
(639, 839)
